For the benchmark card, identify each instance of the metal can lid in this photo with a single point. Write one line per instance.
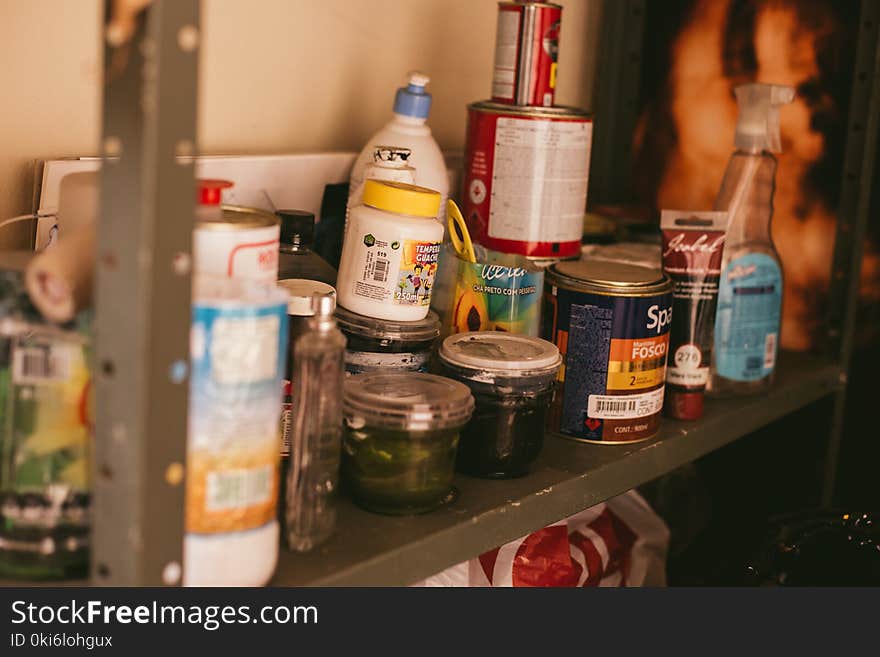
(383, 329)
(530, 4)
(237, 217)
(606, 277)
(493, 352)
(406, 400)
(560, 112)
(301, 292)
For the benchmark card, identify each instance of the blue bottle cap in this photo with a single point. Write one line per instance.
(413, 100)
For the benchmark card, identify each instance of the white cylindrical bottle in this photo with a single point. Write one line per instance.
(237, 347)
(389, 163)
(408, 129)
(389, 257)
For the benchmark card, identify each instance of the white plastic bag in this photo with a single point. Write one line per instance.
(620, 542)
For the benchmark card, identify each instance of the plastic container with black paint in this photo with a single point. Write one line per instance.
(512, 378)
(383, 345)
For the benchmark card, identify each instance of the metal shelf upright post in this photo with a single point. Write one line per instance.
(858, 189)
(142, 295)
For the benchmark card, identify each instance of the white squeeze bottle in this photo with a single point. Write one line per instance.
(749, 309)
(409, 129)
(389, 163)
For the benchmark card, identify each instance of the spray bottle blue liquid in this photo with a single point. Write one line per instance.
(749, 308)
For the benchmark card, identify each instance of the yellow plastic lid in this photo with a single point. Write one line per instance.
(401, 198)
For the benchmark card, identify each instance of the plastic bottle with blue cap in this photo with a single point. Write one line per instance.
(408, 128)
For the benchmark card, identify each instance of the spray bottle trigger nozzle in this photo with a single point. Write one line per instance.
(758, 122)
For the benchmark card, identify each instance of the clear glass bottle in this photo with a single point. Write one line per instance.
(318, 361)
(300, 302)
(749, 310)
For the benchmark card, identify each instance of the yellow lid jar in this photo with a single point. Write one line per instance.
(390, 252)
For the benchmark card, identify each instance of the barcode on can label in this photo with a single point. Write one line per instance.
(238, 488)
(40, 365)
(286, 428)
(380, 271)
(615, 407)
(770, 351)
(620, 407)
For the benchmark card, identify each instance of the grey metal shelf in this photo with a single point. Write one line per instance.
(374, 550)
(370, 549)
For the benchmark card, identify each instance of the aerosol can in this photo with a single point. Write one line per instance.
(750, 292)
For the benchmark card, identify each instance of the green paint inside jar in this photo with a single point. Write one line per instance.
(399, 472)
(401, 438)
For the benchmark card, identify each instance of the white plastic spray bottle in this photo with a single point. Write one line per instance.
(749, 309)
(409, 129)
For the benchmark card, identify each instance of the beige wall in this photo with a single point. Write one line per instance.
(277, 75)
(50, 78)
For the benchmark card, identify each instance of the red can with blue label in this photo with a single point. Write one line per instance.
(611, 323)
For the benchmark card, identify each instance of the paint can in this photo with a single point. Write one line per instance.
(233, 241)
(611, 323)
(495, 297)
(526, 52)
(525, 178)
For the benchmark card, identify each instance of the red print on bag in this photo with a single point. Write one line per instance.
(544, 559)
(607, 548)
(591, 555)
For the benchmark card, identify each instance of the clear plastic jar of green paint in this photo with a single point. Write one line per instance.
(400, 440)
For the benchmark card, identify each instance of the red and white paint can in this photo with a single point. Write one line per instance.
(526, 51)
(526, 172)
(231, 241)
